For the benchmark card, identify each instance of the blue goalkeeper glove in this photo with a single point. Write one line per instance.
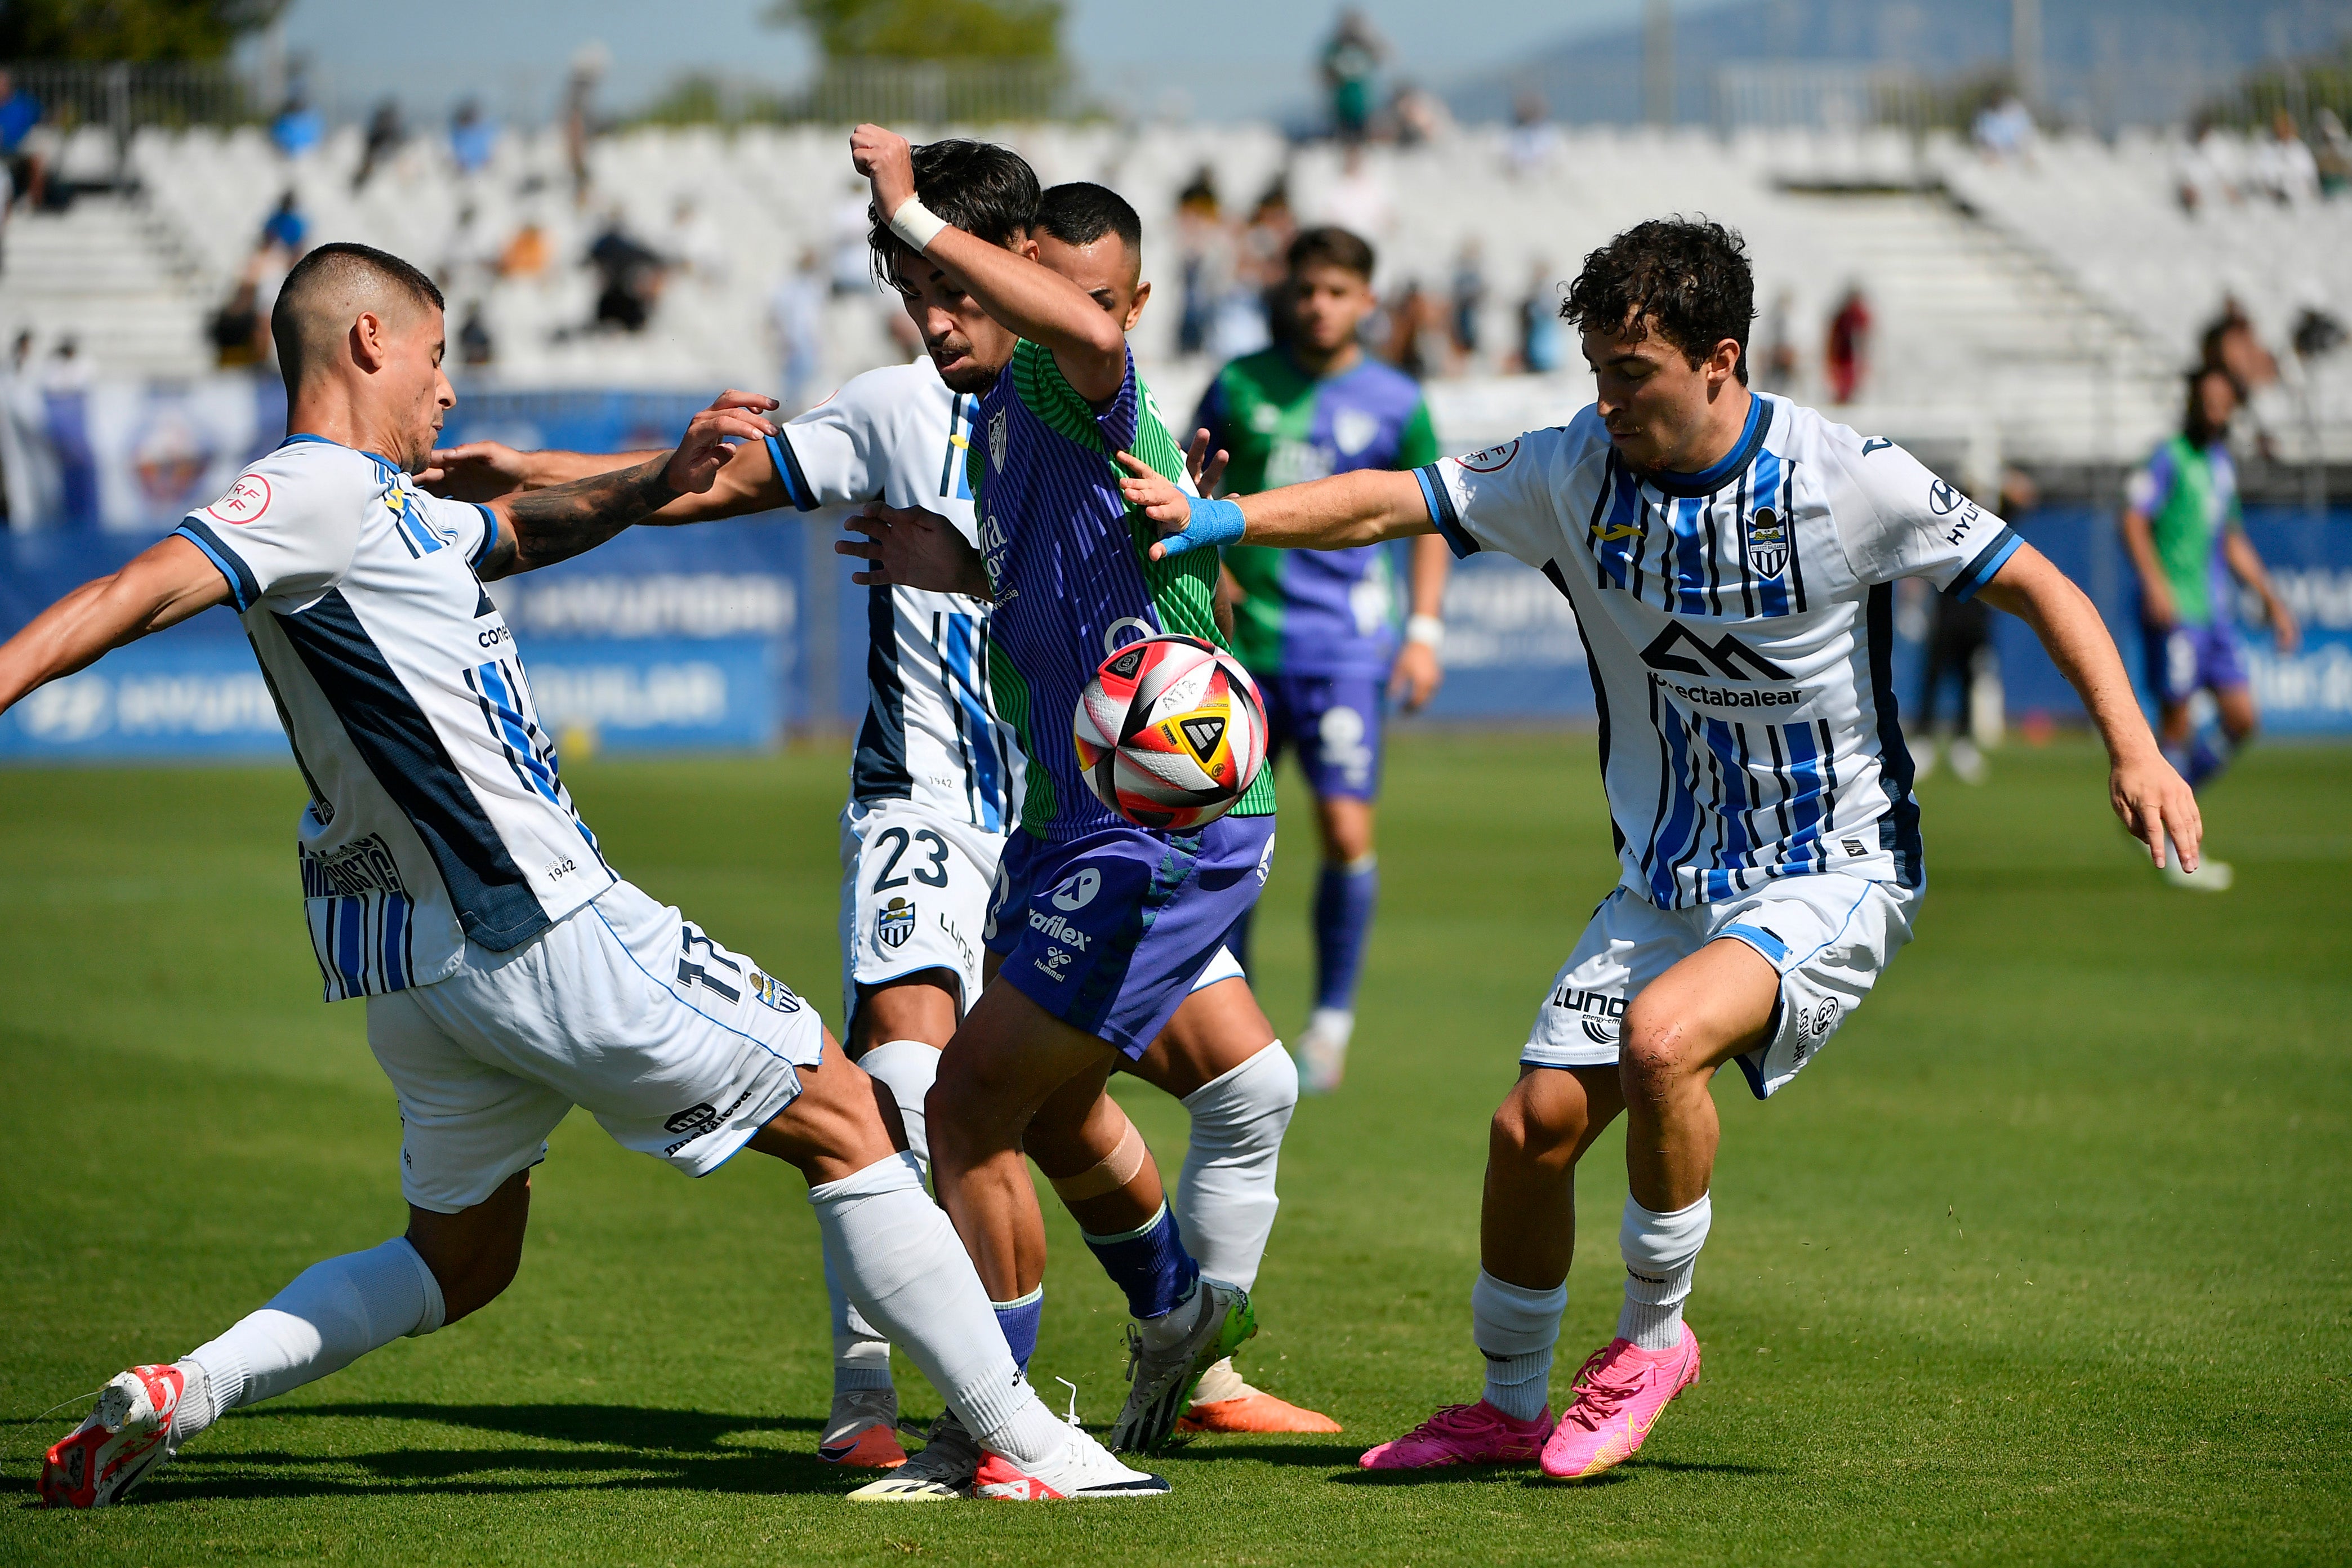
(1208, 523)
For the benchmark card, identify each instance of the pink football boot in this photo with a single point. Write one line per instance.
(1618, 1395)
(1462, 1435)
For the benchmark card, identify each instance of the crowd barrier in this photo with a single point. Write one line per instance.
(730, 636)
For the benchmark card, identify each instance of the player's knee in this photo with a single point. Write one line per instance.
(473, 1274)
(1653, 1049)
(1533, 1129)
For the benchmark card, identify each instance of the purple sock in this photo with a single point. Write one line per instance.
(1149, 1265)
(1344, 897)
(1019, 1322)
(2209, 753)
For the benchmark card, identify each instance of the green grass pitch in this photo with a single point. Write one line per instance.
(2044, 1259)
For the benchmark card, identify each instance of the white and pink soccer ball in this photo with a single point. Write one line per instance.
(1169, 733)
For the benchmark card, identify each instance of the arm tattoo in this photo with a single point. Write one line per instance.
(557, 523)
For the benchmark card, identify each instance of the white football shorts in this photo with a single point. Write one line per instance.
(914, 895)
(680, 1048)
(1828, 936)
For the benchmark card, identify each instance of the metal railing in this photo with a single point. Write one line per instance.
(1785, 95)
(121, 98)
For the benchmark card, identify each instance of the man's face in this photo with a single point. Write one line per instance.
(1653, 400)
(1328, 304)
(412, 380)
(2217, 400)
(1106, 269)
(964, 341)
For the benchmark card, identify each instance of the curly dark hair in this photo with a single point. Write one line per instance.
(987, 191)
(1686, 277)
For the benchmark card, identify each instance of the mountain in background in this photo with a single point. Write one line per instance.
(2104, 62)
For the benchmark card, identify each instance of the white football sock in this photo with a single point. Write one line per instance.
(333, 1313)
(1515, 1329)
(1225, 1199)
(1661, 1254)
(901, 1263)
(908, 1067)
(861, 1357)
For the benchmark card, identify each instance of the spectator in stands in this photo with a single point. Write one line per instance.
(1420, 114)
(1540, 339)
(853, 260)
(527, 254)
(298, 127)
(1204, 260)
(796, 320)
(1776, 361)
(2281, 167)
(1416, 331)
(473, 138)
(1249, 317)
(27, 169)
(286, 226)
(1961, 656)
(629, 275)
(1534, 140)
(1469, 299)
(2004, 128)
(471, 256)
(385, 135)
(1351, 69)
(475, 350)
(1845, 358)
(695, 243)
(579, 122)
(235, 329)
(2187, 537)
(2206, 169)
(2333, 157)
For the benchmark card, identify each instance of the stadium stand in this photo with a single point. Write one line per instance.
(2031, 310)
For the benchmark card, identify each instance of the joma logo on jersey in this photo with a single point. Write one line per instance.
(1768, 542)
(1600, 1013)
(1682, 651)
(1058, 929)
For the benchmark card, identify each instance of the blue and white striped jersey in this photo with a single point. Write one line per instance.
(1738, 625)
(931, 733)
(436, 813)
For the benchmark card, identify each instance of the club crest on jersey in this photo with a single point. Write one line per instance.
(996, 441)
(1768, 542)
(772, 991)
(894, 923)
(1352, 430)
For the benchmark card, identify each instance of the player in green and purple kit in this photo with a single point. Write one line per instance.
(1101, 928)
(1316, 627)
(2187, 537)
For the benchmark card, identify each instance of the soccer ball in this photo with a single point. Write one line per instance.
(1169, 733)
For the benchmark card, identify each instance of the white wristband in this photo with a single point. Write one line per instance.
(915, 224)
(1427, 630)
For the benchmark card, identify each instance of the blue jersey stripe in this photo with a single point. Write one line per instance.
(1442, 513)
(963, 654)
(788, 472)
(1989, 560)
(242, 589)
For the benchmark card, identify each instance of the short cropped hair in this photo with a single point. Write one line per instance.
(987, 191)
(318, 279)
(1331, 245)
(1081, 213)
(1688, 275)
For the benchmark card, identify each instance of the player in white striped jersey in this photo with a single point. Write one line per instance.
(1730, 560)
(509, 973)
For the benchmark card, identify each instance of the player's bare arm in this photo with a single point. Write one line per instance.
(2156, 590)
(1033, 301)
(1365, 505)
(539, 528)
(160, 587)
(2152, 799)
(2247, 567)
(906, 547)
(1419, 671)
(485, 470)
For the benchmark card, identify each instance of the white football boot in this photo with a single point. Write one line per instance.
(942, 1472)
(1083, 1469)
(1162, 1381)
(122, 1442)
(1323, 1049)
